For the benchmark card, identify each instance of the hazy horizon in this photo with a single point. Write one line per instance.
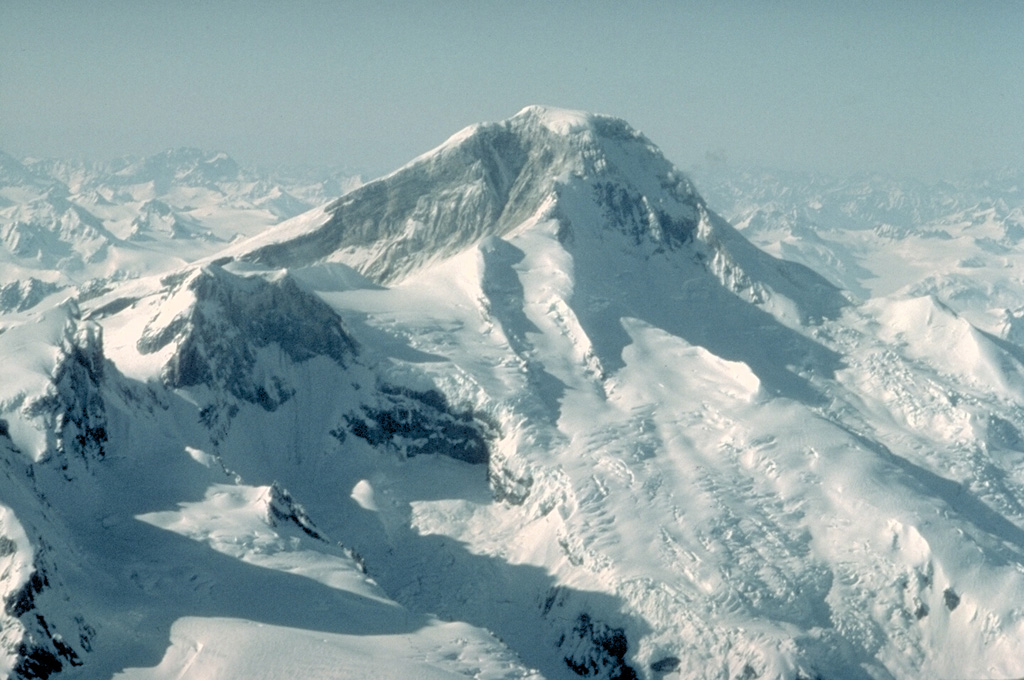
(913, 89)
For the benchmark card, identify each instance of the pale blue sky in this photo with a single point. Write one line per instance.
(920, 88)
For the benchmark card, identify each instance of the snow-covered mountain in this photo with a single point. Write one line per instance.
(876, 235)
(74, 224)
(526, 407)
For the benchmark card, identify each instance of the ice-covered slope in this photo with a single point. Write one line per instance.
(539, 391)
(130, 546)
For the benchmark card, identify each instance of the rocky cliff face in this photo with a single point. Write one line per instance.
(228, 319)
(73, 410)
(40, 635)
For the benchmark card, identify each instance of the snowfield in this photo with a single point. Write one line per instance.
(526, 407)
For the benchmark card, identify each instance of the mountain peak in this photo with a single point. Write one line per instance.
(589, 178)
(219, 322)
(488, 180)
(566, 141)
(557, 120)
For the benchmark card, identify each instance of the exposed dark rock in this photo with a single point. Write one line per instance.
(36, 662)
(42, 651)
(112, 307)
(508, 487)
(631, 212)
(419, 423)
(1002, 434)
(74, 409)
(217, 419)
(594, 649)
(36, 655)
(66, 651)
(748, 673)
(85, 633)
(951, 598)
(283, 508)
(666, 665)
(22, 600)
(17, 296)
(231, 318)
(555, 599)
(7, 546)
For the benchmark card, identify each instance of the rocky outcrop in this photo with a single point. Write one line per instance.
(73, 408)
(41, 651)
(595, 649)
(18, 296)
(228, 319)
(33, 644)
(422, 423)
(282, 508)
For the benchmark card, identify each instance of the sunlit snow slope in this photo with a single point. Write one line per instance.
(526, 403)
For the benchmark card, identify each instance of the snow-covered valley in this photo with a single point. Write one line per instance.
(529, 406)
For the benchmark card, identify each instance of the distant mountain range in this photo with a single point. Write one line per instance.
(72, 223)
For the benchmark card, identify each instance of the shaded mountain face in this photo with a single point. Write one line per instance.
(527, 407)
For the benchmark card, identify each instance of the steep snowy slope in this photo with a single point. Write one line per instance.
(130, 547)
(539, 391)
(555, 289)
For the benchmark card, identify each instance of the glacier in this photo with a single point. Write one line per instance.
(529, 406)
